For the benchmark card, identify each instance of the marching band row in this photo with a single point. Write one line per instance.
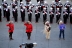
(55, 10)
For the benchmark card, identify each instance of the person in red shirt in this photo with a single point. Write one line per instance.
(29, 28)
(11, 29)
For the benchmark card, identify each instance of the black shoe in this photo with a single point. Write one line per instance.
(11, 39)
(28, 38)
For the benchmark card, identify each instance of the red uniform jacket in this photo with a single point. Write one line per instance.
(29, 27)
(11, 27)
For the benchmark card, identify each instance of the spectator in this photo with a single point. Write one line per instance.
(11, 29)
(62, 28)
(29, 29)
(47, 29)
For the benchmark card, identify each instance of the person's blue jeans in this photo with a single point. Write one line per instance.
(61, 33)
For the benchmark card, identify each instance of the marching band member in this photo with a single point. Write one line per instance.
(51, 15)
(16, 1)
(33, 5)
(44, 15)
(13, 4)
(21, 5)
(8, 13)
(39, 8)
(28, 5)
(36, 15)
(4, 4)
(65, 15)
(46, 4)
(42, 6)
(53, 5)
(30, 14)
(58, 15)
(67, 5)
(39, 13)
(60, 6)
(15, 14)
(22, 14)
